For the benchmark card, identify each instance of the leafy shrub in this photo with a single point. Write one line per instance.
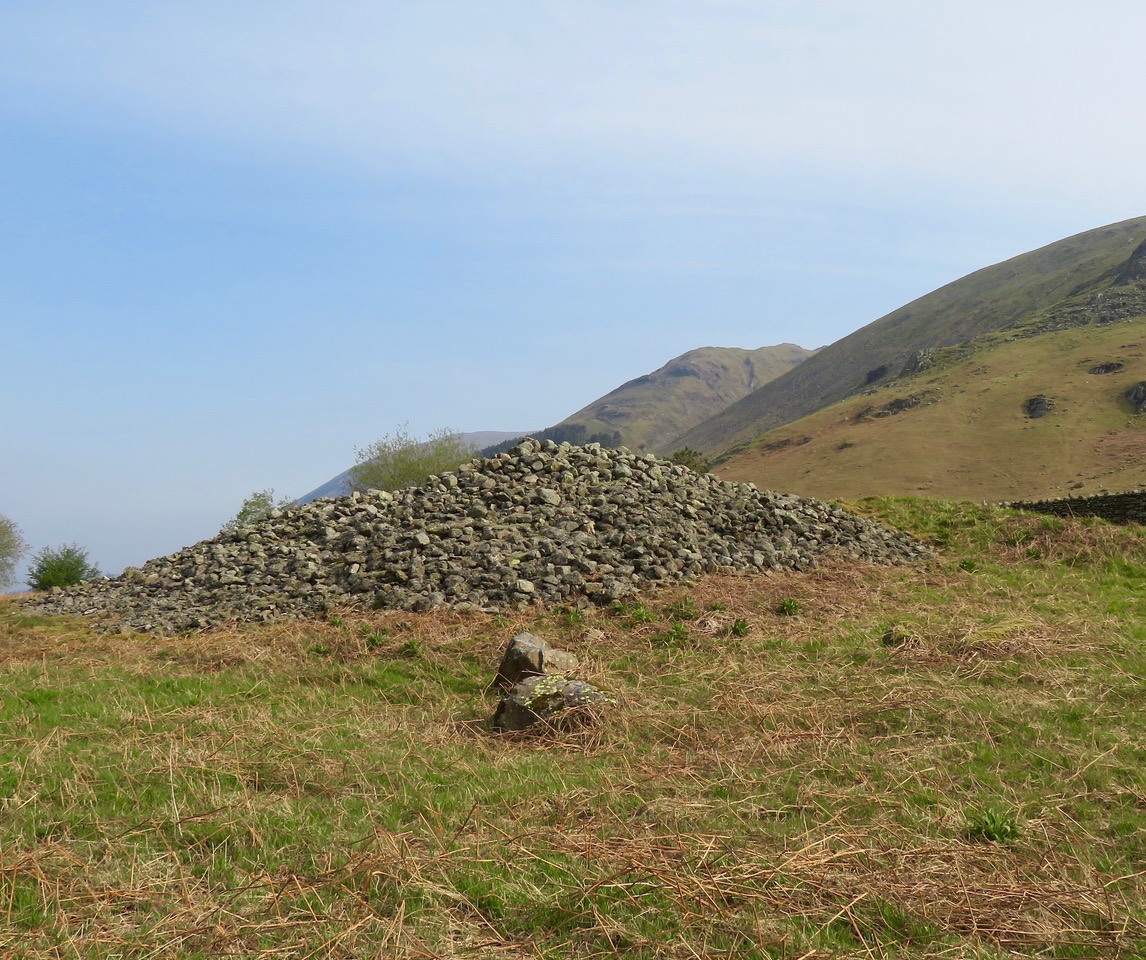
(61, 567)
(402, 460)
(12, 547)
(693, 459)
(256, 507)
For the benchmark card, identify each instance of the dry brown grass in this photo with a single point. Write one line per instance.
(331, 789)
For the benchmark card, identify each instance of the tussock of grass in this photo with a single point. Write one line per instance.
(976, 787)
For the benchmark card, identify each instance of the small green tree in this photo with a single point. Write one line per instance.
(256, 507)
(693, 459)
(12, 548)
(402, 460)
(61, 567)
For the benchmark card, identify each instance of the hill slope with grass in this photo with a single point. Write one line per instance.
(651, 410)
(939, 760)
(1085, 278)
(1016, 415)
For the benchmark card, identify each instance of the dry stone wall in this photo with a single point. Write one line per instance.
(543, 522)
(1115, 507)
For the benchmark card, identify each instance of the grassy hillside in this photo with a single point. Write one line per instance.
(943, 760)
(651, 410)
(1061, 282)
(962, 429)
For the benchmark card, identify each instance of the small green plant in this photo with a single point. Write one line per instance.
(685, 609)
(319, 649)
(675, 636)
(636, 613)
(571, 616)
(62, 567)
(717, 607)
(968, 564)
(788, 607)
(374, 638)
(739, 628)
(336, 621)
(411, 648)
(1017, 538)
(993, 826)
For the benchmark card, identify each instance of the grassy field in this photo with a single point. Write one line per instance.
(969, 436)
(941, 761)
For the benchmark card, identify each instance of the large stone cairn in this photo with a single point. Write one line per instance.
(543, 522)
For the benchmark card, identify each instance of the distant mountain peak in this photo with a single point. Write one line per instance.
(650, 411)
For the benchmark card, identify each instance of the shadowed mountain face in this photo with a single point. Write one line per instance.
(650, 412)
(1090, 277)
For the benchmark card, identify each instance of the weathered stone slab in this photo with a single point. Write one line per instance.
(546, 699)
(530, 655)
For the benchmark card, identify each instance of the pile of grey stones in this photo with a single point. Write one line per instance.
(544, 522)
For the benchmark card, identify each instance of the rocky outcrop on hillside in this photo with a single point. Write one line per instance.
(543, 522)
(1109, 306)
(1136, 396)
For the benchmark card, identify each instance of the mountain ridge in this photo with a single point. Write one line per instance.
(647, 411)
(987, 300)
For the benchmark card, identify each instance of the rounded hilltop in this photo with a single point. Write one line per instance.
(543, 522)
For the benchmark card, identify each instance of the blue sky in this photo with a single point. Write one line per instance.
(238, 241)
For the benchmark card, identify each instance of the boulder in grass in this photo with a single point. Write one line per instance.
(547, 699)
(529, 655)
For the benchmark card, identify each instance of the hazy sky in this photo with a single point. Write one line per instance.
(238, 241)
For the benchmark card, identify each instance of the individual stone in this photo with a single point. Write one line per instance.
(546, 699)
(531, 655)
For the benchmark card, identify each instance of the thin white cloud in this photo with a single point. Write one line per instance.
(989, 92)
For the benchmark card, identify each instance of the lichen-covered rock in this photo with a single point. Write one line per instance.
(545, 523)
(548, 699)
(530, 655)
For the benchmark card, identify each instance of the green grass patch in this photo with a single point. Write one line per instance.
(927, 761)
